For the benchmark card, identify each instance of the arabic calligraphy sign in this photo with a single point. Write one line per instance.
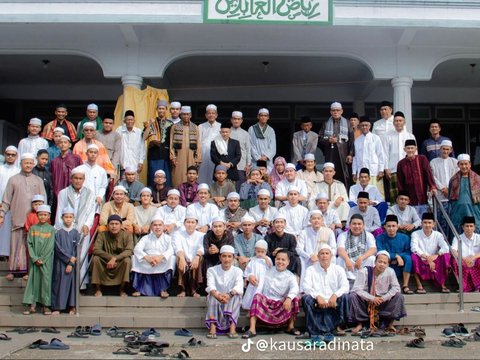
(268, 11)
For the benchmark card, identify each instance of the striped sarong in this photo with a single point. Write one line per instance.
(471, 275)
(222, 315)
(271, 311)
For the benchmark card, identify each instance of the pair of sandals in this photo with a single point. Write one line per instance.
(212, 336)
(416, 343)
(454, 342)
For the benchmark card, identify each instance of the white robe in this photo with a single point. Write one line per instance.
(369, 153)
(190, 244)
(266, 146)
(152, 245)
(311, 178)
(434, 244)
(133, 147)
(469, 246)
(225, 281)
(257, 267)
(207, 134)
(175, 216)
(334, 191)
(6, 172)
(30, 144)
(245, 146)
(205, 214)
(442, 171)
(280, 285)
(394, 144)
(283, 187)
(373, 193)
(382, 126)
(318, 282)
(407, 216)
(297, 218)
(258, 214)
(96, 180)
(370, 261)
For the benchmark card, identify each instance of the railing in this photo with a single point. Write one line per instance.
(438, 206)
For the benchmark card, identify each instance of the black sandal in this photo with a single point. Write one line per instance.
(406, 290)
(248, 335)
(416, 343)
(293, 331)
(124, 351)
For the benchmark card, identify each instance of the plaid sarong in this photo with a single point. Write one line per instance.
(271, 311)
(442, 264)
(222, 315)
(471, 276)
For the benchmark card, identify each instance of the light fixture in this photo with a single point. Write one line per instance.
(265, 66)
(45, 63)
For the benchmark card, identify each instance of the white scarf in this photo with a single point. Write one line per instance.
(222, 146)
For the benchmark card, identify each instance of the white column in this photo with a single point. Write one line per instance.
(402, 98)
(132, 80)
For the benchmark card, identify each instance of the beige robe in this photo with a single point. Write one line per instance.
(184, 156)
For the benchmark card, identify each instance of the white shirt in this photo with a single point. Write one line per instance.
(152, 245)
(342, 239)
(308, 243)
(371, 218)
(95, 179)
(30, 144)
(430, 245)
(330, 217)
(172, 216)
(442, 171)
(325, 283)
(6, 172)
(369, 154)
(280, 285)
(62, 203)
(133, 147)
(205, 214)
(244, 139)
(266, 146)
(208, 133)
(258, 214)
(373, 193)
(225, 281)
(470, 247)
(190, 244)
(407, 216)
(296, 218)
(382, 126)
(284, 185)
(394, 144)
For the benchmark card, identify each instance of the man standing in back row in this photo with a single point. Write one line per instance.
(263, 140)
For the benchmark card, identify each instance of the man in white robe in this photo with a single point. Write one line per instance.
(172, 214)
(336, 191)
(243, 138)
(175, 108)
(312, 177)
(209, 130)
(263, 213)
(291, 179)
(385, 123)
(133, 145)
(296, 214)
(263, 140)
(330, 216)
(33, 142)
(203, 210)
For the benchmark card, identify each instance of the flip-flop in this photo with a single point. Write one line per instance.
(183, 354)
(248, 335)
(211, 336)
(416, 343)
(293, 331)
(96, 330)
(339, 333)
(55, 344)
(77, 335)
(28, 330)
(183, 332)
(51, 330)
(233, 335)
(421, 291)
(460, 330)
(365, 334)
(303, 336)
(474, 337)
(151, 331)
(406, 290)
(154, 352)
(124, 351)
(445, 291)
(36, 344)
(4, 336)
(452, 343)
(475, 308)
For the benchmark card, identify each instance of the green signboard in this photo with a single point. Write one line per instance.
(268, 11)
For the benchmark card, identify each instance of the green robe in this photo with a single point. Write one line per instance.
(41, 243)
(86, 119)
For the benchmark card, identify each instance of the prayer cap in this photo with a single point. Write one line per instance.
(211, 107)
(410, 142)
(315, 212)
(364, 118)
(114, 217)
(290, 166)
(224, 125)
(403, 193)
(93, 146)
(175, 104)
(428, 216)
(146, 189)
(68, 210)
(321, 195)
(220, 168)
(89, 124)
(92, 107)
(309, 157)
(218, 219)
(44, 208)
(237, 114)
(59, 129)
(160, 172)
(35, 121)
(386, 103)
(463, 157)
(265, 192)
(261, 244)
(280, 217)
(27, 156)
(78, 170)
(324, 246)
(391, 217)
(120, 188)
(329, 164)
(335, 105)
(365, 171)
(305, 119)
(11, 148)
(38, 197)
(357, 217)
(173, 192)
(162, 103)
(293, 188)
(353, 115)
(227, 249)
(383, 252)
(468, 220)
(263, 111)
(446, 143)
(203, 186)
(129, 113)
(190, 214)
(66, 138)
(186, 109)
(233, 195)
(261, 163)
(108, 115)
(363, 195)
(399, 113)
(157, 217)
(247, 218)
(130, 169)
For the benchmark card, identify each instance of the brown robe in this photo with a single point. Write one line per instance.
(185, 156)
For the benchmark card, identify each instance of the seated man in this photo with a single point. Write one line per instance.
(369, 213)
(132, 185)
(204, 211)
(330, 216)
(355, 248)
(172, 213)
(188, 190)
(408, 219)
(159, 188)
(326, 296)
(376, 199)
(295, 213)
(376, 292)
(245, 241)
(233, 213)
(111, 257)
(291, 179)
(225, 290)
(277, 304)
(430, 255)
(120, 206)
(221, 187)
(470, 255)
(153, 262)
(398, 246)
(336, 191)
(214, 240)
(312, 177)
(144, 213)
(249, 189)
(263, 213)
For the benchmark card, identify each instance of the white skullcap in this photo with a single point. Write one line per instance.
(120, 188)
(157, 217)
(146, 189)
(92, 107)
(293, 188)
(130, 169)
(227, 249)
(203, 186)
(265, 192)
(44, 208)
(27, 156)
(78, 170)
(309, 157)
(463, 157)
(93, 146)
(321, 195)
(280, 216)
(329, 164)
(35, 121)
(38, 197)
(89, 124)
(263, 111)
(324, 246)
(175, 104)
(383, 252)
(173, 192)
(68, 210)
(186, 109)
(211, 107)
(315, 212)
(218, 219)
(290, 166)
(65, 137)
(190, 214)
(233, 195)
(59, 129)
(237, 114)
(446, 143)
(11, 148)
(261, 244)
(160, 172)
(247, 218)
(335, 105)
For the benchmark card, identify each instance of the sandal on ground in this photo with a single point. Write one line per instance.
(30, 311)
(420, 332)
(416, 343)
(365, 334)
(154, 352)
(47, 311)
(358, 332)
(475, 308)
(406, 290)
(124, 351)
(233, 335)
(445, 291)
(303, 336)
(183, 354)
(460, 330)
(4, 336)
(293, 331)
(36, 344)
(453, 342)
(77, 335)
(51, 330)
(194, 343)
(249, 335)
(211, 336)
(474, 337)
(404, 330)
(420, 291)
(339, 333)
